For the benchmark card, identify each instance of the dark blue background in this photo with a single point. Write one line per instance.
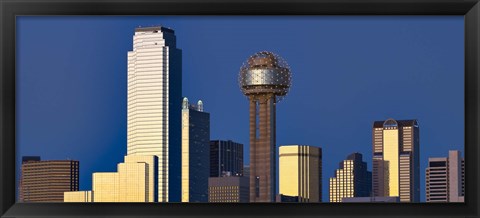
(348, 71)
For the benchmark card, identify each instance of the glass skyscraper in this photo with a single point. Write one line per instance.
(352, 179)
(226, 157)
(154, 105)
(195, 152)
(396, 164)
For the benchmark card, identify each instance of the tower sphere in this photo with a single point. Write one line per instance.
(265, 73)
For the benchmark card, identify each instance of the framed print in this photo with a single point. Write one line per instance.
(256, 108)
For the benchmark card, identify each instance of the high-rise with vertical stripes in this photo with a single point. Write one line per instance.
(154, 105)
(396, 164)
(445, 178)
(300, 172)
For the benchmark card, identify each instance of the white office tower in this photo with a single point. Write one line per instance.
(154, 105)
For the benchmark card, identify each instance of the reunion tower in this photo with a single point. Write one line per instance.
(265, 79)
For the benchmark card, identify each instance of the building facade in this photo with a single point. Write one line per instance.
(47, 180)
(78, 196)
(195, 152)
(396, 159)
(154, 105)
(20, 183)
(226, 157)
(228, 189)
(134, 181)
(352, 179)
(445, 178)
(300, 172)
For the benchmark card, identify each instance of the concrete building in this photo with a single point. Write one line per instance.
(300, 172)
(396, 159)
(351, 179)
(445, 178)
(47, 180)
(264, 78)
(195, 152)
(20, 183)
(226, 157)
(228, 189)
(78, 196)
(134, 181)
(154, 105)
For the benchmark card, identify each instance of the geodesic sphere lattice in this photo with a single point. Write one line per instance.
(265, 73)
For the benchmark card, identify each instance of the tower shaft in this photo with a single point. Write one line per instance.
(262, 148)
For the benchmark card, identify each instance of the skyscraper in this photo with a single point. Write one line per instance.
(47, 180)
(264, 78)
(396, 153)
(226, 157)
(445, 178)
(195, 152)
(300, 172)
(351, 179)
(154, 105)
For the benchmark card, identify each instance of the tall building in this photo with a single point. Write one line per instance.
(47, 180)
(226, 157)
(264, 78)
(228, 189)
(396, 164)
(300, 172)
(351, 179)
(195, 152)
(445, 178)
(134, 181)
(154, 105)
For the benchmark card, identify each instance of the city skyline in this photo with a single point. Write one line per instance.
(306, 102)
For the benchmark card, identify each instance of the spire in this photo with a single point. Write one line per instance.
(200, 105)
(185, 103)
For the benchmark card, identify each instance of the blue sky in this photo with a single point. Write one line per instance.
(348, 71)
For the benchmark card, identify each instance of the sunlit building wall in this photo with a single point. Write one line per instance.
(78, 196)
(195, 152)
(105, 186)
(445, 178)
(133, 182)
(150, 175)
(300, 172)
(154, 105)
(396, 153)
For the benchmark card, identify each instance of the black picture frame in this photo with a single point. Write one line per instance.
(9, 9)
